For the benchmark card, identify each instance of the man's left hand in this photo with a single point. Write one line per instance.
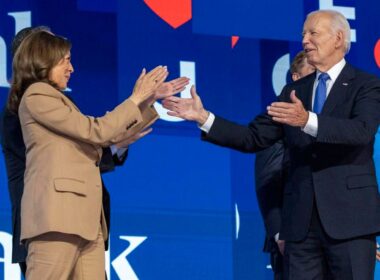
(293, 113)
(167, 89)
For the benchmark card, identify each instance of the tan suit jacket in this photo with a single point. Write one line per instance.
(62, 190)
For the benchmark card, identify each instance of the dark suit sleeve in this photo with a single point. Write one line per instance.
(14, 155)
(11, 134)
(109, 161)
(269, 176)
(106, 162)
(361, 128)
(261, 133)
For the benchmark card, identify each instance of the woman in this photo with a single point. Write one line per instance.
(61, 213)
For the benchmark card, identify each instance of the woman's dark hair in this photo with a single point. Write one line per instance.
(37, 54)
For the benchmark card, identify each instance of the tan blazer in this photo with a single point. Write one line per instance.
(62, 189)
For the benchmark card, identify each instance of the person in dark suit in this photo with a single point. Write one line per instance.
(271, 167)
(14, 153)
(328, 120)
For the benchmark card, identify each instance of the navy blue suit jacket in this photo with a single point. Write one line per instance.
(14, 154)
(335, 170)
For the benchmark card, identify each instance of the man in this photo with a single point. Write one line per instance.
(14, 153)
(270, 172)
(331, 205)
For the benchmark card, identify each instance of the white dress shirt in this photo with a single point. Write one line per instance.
(118, 151)
(311, 126)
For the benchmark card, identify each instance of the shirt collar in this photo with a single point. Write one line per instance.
(334, 71)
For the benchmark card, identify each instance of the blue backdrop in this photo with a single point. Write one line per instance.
(181, 208)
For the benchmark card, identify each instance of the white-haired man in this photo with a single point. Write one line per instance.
(331, 206)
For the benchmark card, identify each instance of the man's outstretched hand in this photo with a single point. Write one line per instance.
(187, 108)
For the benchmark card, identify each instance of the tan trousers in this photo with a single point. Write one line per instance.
(60, 256)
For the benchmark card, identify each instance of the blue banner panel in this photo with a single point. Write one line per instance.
(97, 5)
(247, 18)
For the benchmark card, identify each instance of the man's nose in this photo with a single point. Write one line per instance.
(305, 39)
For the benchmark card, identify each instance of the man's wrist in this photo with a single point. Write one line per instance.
(306, 120)
(203, 117)
(311, 126)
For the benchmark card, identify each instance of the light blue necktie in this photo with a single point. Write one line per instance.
(320, 93)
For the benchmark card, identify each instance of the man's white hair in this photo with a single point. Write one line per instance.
(338, 23)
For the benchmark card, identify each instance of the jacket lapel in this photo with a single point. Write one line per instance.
(339, 90)
(306, 92)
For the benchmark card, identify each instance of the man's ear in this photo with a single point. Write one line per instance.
(339, 40)
(295, 76)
